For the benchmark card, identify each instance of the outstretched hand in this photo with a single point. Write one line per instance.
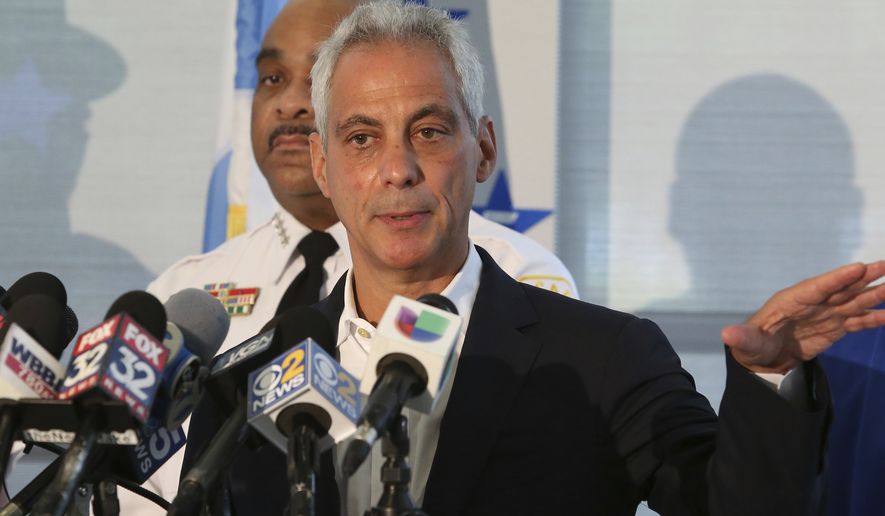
(802, 321)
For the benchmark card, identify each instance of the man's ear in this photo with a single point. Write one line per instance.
(488, 148)
(318, 163)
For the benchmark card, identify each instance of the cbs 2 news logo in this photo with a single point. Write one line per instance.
(284, 376)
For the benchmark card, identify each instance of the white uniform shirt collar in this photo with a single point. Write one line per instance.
(461, 291)
(289, 232)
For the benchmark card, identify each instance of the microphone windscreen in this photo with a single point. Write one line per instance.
(144, 308)
(35, 283)
(439, 301)
(71, 324)
(296, 324)
(203, 320)
(48, 285)
(42, 317)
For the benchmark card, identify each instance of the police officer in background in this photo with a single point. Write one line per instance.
(297, 256)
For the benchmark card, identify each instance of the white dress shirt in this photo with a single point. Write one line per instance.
(354, 342)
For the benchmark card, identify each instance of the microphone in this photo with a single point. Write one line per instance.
(118, 361)
(197, 326)
(40, 283)
(226, 385)
(34, 283)
(304, 384)
(121, 358)
(412, 355)
(27, 368)
(303, 402)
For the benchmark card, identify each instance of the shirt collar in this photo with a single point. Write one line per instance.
(288, 232)
(461, 291)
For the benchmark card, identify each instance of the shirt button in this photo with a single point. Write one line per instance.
(364, 333)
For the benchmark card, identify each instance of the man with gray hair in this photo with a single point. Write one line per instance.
(261, 272)
(556, 406)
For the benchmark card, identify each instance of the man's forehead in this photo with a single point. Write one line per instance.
(306, 22)
(372, 73)
(268, 53)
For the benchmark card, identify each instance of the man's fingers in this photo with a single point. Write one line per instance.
(859, 302)
(874, 271)
(820, 288)
(870, 319)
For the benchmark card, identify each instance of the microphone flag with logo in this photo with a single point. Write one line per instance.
(304, 381)
(420, 335)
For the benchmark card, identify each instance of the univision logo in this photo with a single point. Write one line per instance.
(423, 327)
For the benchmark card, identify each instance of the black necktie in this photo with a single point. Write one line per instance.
(305, 288)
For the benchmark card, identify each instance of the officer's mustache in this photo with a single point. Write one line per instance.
(288, 129)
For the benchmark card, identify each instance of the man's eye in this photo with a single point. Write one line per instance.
(271, 79)
(428, 133)
(360, 139)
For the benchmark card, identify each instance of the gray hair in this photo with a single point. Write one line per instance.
(388, 20)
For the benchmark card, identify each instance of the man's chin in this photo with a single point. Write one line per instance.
(288, 159)
(287, 173)
(409, 258)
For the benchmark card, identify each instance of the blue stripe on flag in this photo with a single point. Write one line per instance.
(215, 226)
(253, 19)
(248, 41)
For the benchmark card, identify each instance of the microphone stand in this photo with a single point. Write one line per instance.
(214, 461)
(396, 473)
(299, 466)
(61, 490)
(9, 422)
(104, 499)
(22, 503)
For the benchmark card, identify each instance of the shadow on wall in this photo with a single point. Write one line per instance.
(49, 72)
(764, 196)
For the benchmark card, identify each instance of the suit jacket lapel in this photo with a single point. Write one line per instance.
(332, 306)
(494, 362)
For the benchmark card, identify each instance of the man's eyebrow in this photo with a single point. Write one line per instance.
(267, 53)
(440, 110)
(356, 120)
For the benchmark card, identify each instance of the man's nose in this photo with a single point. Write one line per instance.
(399, 168)
(294, 102)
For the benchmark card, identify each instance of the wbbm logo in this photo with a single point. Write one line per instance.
(423, 327)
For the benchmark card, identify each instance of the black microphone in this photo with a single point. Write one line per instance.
(34, 283)
(119, 360)
(412, 355)
(227, 386)
(45, 284)
(29, 368)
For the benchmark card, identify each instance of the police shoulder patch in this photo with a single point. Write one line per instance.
(556, 284)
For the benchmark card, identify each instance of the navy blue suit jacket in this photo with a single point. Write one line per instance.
(563, 407)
